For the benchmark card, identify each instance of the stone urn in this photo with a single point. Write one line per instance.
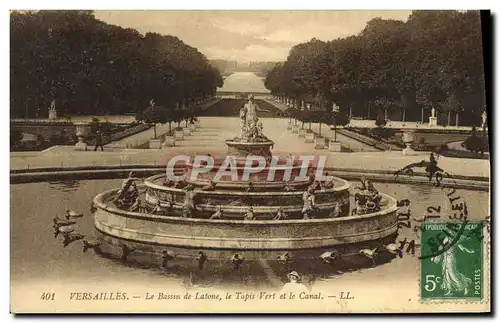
(408, 138)
(82, 133)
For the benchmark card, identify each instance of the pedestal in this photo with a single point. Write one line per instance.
(302, 133)
(408, 138)
(179, 135)
(192, 127)
(295, 129)
(309, 137)
(320, 143)
(408, 151)
(433, 121)
(80, 145)
(82, 132)
(240, 150)
(187, 131)
(169, 141)
(335, 146)
(155, 144)
(52, 114)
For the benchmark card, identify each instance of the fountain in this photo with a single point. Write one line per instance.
(251, 203)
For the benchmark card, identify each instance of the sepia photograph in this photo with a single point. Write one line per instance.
(250, 161)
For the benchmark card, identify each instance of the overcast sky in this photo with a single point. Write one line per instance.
(248, 35)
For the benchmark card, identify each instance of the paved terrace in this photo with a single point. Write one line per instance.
(210, 139)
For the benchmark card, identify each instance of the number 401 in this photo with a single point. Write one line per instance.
(48, 296)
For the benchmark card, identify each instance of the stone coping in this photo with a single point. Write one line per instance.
(149, 167)
(149, 183)
(249, 144)
(119, 172)
(99, 202)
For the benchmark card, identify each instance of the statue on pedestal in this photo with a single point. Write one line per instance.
(52, 110)
(251, 128)
(484, 116)
(433, 118)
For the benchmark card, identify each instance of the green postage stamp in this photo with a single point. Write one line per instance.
(452, 261)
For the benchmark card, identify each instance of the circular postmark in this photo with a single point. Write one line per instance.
(449, 223)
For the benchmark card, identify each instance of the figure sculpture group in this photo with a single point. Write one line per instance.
(127, 197)
(368, 199)
(251, 127)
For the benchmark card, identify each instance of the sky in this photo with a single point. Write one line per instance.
(247, 36)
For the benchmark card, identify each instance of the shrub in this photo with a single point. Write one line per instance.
(475, 144)
(15, 137)
(382, 133)
(380, 121)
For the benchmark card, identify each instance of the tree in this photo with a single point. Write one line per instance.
(429, 61)
(15, 137)
(475, 143)
(380, 121)
(91, 67)
(157, 114)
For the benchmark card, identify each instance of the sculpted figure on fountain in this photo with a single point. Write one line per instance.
(309, 203)
(368, 200)
(251, 128)
(128, 193)
(189, 206)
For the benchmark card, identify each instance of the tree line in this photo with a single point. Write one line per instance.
(433, 60)
(90, 67)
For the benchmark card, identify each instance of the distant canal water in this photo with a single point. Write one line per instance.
(36, 255)
(243, 82)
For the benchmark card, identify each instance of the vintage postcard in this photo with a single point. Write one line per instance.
(249, 162)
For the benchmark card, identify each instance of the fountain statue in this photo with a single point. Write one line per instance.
(52, 110)
(483, 117)
(433, 118)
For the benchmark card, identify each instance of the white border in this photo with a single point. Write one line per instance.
(190, 4)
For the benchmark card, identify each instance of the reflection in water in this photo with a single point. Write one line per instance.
(65, 186)
(36, 255)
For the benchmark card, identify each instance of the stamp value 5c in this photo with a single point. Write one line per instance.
(452, 260)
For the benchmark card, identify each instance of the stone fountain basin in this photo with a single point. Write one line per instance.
(189, 235)
(235, 200)
(260, 177)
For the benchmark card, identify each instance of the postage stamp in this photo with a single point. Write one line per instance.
(219, 161)
(452, 267)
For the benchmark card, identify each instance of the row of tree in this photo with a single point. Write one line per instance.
(316, 116)
(433, 60)
(158, 114)
(90, 67)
